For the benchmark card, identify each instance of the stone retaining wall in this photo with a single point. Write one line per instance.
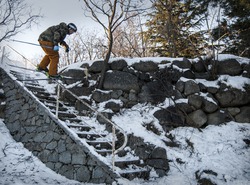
(31, 123)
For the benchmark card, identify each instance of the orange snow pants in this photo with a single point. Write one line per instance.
(51, 58)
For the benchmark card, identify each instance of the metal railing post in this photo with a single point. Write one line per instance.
(3, 54)
(114, 125)
(57, 99)
(113, 147)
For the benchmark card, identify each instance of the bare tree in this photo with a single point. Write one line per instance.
(15, 16)
(85, 45)
(129, 40)
(114, 12)
(92, 45)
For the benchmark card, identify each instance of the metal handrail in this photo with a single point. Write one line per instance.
(114, 151)
(100, 114)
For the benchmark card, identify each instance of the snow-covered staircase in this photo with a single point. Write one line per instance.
(126, 163)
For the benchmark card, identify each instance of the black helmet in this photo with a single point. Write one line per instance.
(72, 26)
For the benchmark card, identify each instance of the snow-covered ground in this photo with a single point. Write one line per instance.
(219, 153)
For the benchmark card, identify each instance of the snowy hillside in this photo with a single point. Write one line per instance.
(218, 153)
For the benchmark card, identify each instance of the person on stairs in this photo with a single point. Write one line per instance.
(49, 41)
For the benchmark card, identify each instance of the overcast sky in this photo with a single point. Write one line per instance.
(53, 12)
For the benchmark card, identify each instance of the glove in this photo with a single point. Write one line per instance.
(56, 48)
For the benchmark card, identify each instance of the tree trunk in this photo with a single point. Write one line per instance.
(106, 60)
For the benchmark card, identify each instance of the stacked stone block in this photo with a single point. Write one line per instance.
(31, 123)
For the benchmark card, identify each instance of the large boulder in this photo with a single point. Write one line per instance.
(74, 73)
(170, 118)
(199, 66)
(154, 92)
(183, 64)
(232, 97)
(229, 67)
(118, 65)
(119, 80)
(97, 66)
(145, 66)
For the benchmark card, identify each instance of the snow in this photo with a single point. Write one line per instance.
(219, 153)
(237, 82)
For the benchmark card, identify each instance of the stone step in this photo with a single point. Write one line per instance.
(128, 166)
(53, 108)
(35, 88)
(50, 102)
(125, 163)
(90, 135)
(79, 127)
(42, 94)
(104, 152)
(45, 97)
(135, 172)
(20, 76)
(72, 120)
(100, 144)
(31, 83)
(62, 114)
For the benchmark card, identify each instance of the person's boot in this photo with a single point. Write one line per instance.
(38, 68)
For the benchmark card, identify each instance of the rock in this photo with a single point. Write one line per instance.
(145, 66)
(246, 72)
(197, 118)
(209, 106)
(74, 73)
(232, 97)
(132, 96)
(233, 110)
(185, 107)
(115, 107)
(188, 74)
(119, 80)
(159, 153)
(115, 94)
(177, 95)
(97, 66)
(180, 85)
(184, 64)
(218, 117)
(199, 67)
(158, 163)
(195, 101)
(170, 118)
(2, 96)
(205, 75)
(244, 115)
(100, 96)
(191, 88)
(82, 107)
(229, 67)
(118, 65)
(154, 92)
(212, 90)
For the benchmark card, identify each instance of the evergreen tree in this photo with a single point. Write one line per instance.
(171, 26)
(235, 26)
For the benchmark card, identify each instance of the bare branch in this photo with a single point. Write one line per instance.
(115, 12)
(15, 17)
